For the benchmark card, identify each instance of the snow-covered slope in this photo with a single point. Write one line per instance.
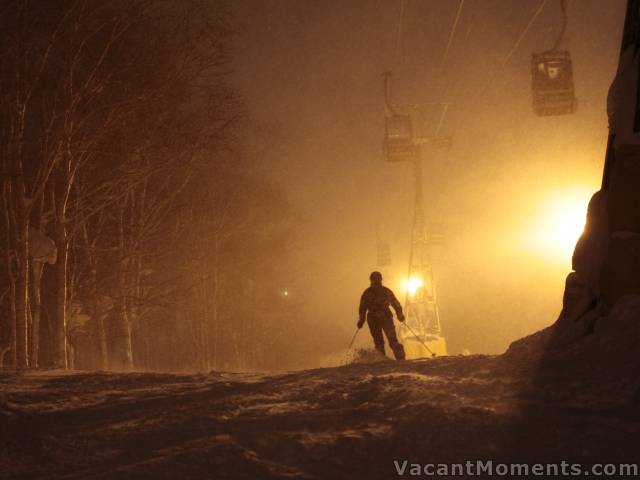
(345, 422)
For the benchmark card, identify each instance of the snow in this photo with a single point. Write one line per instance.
(621, 101)
(534, 403)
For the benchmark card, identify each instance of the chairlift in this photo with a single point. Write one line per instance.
(398, 143)
(552, 77)
(552, 83)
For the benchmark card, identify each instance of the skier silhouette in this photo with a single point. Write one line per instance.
(374, 308)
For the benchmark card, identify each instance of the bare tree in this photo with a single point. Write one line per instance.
(123, 143)
(82, 75)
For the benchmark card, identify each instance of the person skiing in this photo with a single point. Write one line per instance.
(374, 308)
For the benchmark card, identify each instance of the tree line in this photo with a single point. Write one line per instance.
(141, 228)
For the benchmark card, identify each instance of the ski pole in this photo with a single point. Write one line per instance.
(420, 340)
(353, 339)
(346, 353)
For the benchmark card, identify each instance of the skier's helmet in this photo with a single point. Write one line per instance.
(375, 277)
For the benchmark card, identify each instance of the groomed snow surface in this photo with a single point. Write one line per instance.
(537, 403)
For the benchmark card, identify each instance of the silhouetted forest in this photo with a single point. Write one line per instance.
(140, 226)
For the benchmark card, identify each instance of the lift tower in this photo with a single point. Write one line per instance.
(421, 334)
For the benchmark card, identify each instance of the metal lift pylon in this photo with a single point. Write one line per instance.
(422, 334)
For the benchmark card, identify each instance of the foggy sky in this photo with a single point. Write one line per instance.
(315, 67)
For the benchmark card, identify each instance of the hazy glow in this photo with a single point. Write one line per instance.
(566, 223)
(559, 224)
(412, 284)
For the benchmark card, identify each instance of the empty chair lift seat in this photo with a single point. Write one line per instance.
(398, 142)
(552, 83)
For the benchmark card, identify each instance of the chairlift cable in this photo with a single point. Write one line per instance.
(451, 87)
(387, 90)
(524, 33)
(396, 59)
(508, 57)
(454, 86)
(513, 50)
(451, 35)
(445, 108)
(387, 78)
(443, 60)
(563, 8)
(445, 105)
(399, 33)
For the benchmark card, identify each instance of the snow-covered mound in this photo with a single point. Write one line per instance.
(594, 356)
(345, 422)
(365, 355)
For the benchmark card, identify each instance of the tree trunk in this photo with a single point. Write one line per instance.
(99, 312)
(135, 282)
(36, 283)
(214, 299)
(71, 356)
(99, 309)
(22, 291)
(123, 354)
(99, 305)
(102, 337)
(10, 260)
(205, 320)
(60, 335)
(148, 362)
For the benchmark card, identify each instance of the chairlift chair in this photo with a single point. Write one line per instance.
(398, 142)
(552, 83)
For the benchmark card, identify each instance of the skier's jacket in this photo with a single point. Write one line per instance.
(376, 300)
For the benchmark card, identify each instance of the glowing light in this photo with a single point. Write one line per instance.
(566, 224)
(559, 224)
(412, 284)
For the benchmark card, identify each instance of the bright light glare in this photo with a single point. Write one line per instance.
(566, 223)
(412, 284)
(559, 224)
